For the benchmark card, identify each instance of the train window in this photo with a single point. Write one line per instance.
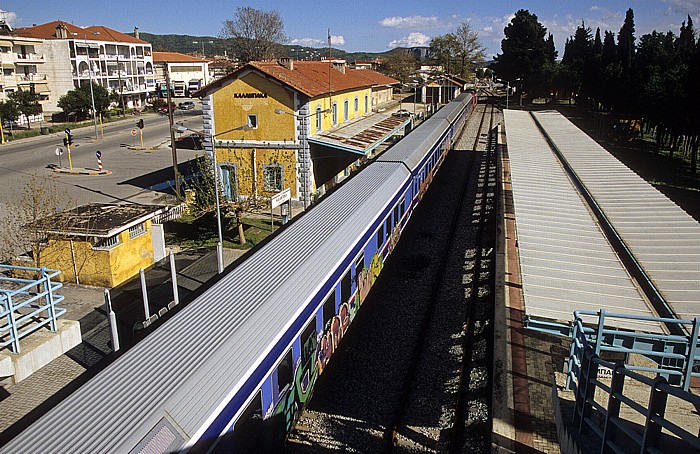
(387, 227)
(396, 214)
(345, 287)
(359, 266)
(328, 309)
(308, 342)
(248, 431)
(285, 373)
(402, 204)
(380, 236)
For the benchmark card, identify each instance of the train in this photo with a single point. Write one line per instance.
(232, 370)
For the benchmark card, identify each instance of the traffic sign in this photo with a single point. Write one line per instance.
(133, 132)
(59, 151)
(67, 131)
(98, 153)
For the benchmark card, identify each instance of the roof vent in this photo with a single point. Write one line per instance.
(61, 31)
(136, 33)
(339, 66)
(287, 63)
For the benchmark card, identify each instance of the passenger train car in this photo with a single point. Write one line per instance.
(232, 370)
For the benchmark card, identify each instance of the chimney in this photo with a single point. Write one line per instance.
(339, 66)
(136, 33)
(61, 31)
(287, 63)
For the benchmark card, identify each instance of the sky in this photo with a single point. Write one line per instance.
(360, 25)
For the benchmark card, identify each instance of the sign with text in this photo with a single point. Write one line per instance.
(281, 197)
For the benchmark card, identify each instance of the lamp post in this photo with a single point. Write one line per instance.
(304, 150)
(508, 88)
(197, 42)
(220, 245)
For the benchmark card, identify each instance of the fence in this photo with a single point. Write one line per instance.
(27, 305)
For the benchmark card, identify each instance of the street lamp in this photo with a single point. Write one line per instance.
(508, 88)
(197, 42)
(220, 246)
(304, 150)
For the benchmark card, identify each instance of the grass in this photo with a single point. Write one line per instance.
(201, 232)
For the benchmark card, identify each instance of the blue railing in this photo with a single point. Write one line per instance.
(676, 356)
(27, 305)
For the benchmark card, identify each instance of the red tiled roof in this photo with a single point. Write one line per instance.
(175, 57)
(313, 78)
(48, 31)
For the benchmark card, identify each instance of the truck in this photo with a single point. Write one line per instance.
(194, 85)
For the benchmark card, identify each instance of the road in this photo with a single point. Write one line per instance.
(133, 171)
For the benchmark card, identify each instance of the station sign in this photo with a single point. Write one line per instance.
(281, 197)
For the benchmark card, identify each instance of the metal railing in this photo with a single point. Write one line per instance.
(676, 356)
(606, 423)
(27, 305)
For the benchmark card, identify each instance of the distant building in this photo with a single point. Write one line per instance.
(268, 119)
(66, 56)
(182, 69)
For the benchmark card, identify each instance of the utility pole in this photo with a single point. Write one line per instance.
(172, 132)
(121, 88)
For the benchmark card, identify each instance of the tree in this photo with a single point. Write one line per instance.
(9, 110)
(402, 65)
(625, 41)
(257, 34)
(24, 231)
(79, 100)
(458, 52)
(525, 52)
(27, 104)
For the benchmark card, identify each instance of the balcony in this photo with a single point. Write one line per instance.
(30, 59)
(23, 79)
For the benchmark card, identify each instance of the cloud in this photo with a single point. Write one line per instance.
(421, 22)
(313, 42)
(691, 7)
(307, 42)
(413, 39)
(10, 17)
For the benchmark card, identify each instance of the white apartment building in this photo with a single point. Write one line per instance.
(74, 56)
(182, 69)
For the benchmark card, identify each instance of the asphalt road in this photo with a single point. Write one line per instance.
(134, 175)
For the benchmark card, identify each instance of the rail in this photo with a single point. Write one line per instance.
(677, 356)
(28, 304)
(589, 415)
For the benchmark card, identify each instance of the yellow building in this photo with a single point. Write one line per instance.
(103, 244)
(265, 116)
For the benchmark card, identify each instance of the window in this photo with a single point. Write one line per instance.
(359, 266)
(357, 104)
(345, 287)
(366, 104)
(106, 243)
(253, 121)
(285, 372)
(248, 430)
(403, 207)
(273, 177)
(319, 119)
(328, 309)
(334, 116)
(308, 343)
(388, 227)
(380, 236)
(345, 110)
(396, 214)
(229, 181)
(137, 230)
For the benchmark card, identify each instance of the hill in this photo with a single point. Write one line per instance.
(187, 44)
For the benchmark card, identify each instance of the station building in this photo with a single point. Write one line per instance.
(294, 124)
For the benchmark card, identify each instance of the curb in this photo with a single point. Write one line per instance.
(82, 171)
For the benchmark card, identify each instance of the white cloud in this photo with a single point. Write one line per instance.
(337, 40)
(691, 7)
(413, 39)
(9, 17)
(421, 22)
(307, 42)
(487, 30)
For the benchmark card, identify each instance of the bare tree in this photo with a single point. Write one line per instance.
(257, 33)
(459, 51)
(24, 229)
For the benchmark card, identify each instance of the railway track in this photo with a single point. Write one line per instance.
(435, 394)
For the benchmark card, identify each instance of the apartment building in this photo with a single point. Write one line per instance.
(66, 56)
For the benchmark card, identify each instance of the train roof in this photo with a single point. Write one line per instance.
(193, 364)
(426, 135)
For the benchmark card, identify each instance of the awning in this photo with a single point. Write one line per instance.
(41, 88)
(362, 136)
(26, 43)
(4, 43)
(8, 64)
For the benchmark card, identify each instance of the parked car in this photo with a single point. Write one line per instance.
(403, 113)
(187, 105)
(191, 142)
(163, 110)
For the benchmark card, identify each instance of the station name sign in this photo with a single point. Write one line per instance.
(250, 95)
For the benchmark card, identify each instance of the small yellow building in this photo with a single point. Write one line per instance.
(263, 118)
(102, 244)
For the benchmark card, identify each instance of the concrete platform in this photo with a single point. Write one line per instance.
(39, 349)
(81, 171)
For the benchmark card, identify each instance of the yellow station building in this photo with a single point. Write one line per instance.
(271, 123)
